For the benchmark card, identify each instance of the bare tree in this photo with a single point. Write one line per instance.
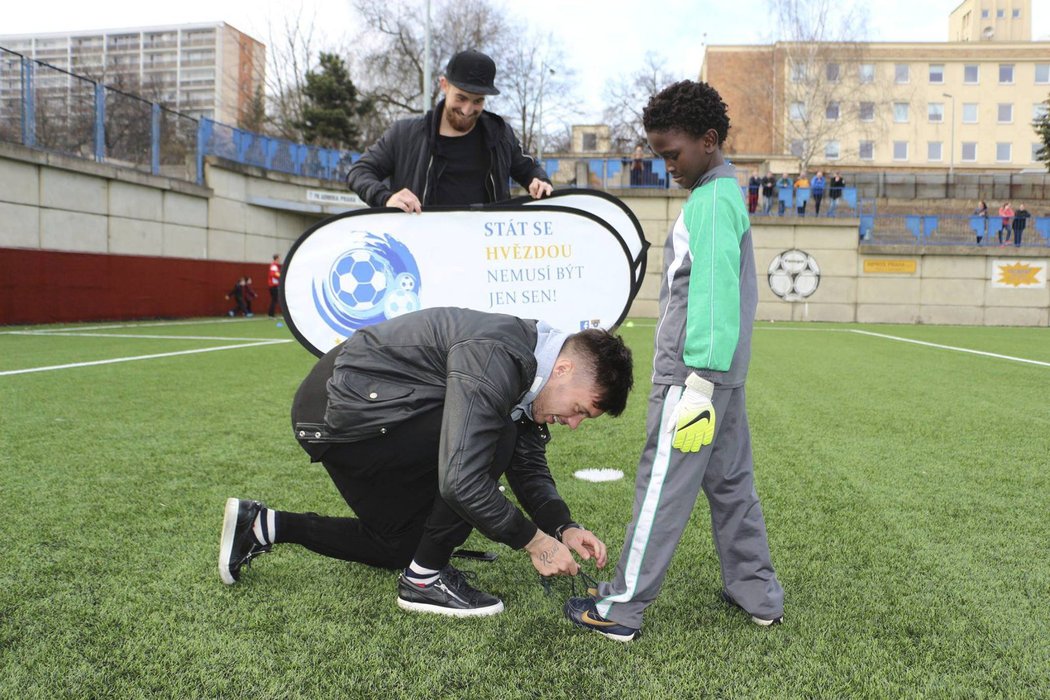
(537, 83)
(292, 51)
(625, 100)
(821, 62)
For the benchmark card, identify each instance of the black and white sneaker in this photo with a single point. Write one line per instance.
(238, 545)
(450, 594)
(760, 621)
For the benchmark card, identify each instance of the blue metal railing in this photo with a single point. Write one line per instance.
(950, 229)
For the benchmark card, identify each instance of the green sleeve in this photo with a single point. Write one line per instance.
(716, 221)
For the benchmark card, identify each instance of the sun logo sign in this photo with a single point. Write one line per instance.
(794, 275)
(374, 280)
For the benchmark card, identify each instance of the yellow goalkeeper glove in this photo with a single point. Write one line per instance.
(693, 419)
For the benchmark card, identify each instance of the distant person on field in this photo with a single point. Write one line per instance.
(237, 295)
(273, 282)
(455, 154)
(698, 435)
(982, 211)
(1019, 222)
(249, 296)
(1006, 212)
(836, 184)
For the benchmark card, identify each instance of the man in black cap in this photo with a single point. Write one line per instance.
(455, 154)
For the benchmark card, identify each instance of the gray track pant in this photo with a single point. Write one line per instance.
(666, 488)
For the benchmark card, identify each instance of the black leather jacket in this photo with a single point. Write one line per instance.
(404, 157)
(476, 366)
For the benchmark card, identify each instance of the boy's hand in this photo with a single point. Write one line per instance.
(693, 419)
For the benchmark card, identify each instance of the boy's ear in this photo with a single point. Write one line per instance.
(710, 141)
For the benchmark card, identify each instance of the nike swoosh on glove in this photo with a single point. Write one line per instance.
(693, 418)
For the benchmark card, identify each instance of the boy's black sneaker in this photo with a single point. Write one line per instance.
(450, 594)
(583, 612)
(238, 545)
(760, 621)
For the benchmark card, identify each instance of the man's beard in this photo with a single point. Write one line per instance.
(459, 122)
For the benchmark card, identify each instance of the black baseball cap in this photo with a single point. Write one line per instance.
(472, 71)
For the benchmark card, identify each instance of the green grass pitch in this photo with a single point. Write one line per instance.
(906, 490)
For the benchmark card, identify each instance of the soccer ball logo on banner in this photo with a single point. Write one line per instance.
(374, 279)
(794, 275)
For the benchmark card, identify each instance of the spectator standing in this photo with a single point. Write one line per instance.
(835, 192)
(637, 167)
(1006, 212)
(801, 193)
(273, 282)
(753, 187)
(1019, 223)
(982, 211)
(783, 192)
(455, 154)
(817, 190)
(769, 185)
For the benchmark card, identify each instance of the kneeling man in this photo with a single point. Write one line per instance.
(415, 419)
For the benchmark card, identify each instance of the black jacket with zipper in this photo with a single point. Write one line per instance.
(405, 156)
(476, 367)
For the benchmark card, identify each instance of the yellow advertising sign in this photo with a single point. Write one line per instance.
(889, 266)
(1019, 274)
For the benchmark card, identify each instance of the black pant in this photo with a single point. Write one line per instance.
(817, 198)
(391, 484)
(273, 300)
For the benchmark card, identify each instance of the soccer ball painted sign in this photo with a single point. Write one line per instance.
(794, 275)
(545, 260)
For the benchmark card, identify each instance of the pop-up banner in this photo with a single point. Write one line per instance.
(554, 259)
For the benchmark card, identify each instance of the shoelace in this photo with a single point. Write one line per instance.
(255, 551)
(581, 578)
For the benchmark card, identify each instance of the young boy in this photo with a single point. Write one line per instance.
(703, 344)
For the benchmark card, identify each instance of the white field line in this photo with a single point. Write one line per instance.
(143, 325)
(952, 348)
(143, 357)
(74, 334)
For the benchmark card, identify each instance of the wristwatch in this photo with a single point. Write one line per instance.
(562, 528)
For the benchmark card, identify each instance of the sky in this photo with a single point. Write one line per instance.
(601, 40)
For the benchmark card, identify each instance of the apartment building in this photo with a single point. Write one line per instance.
(959, 105)
(204, 70)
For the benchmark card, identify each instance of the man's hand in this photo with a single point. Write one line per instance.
(693, 419)
(405, 200)
(538, 188)
(550, 557)
(584, 543)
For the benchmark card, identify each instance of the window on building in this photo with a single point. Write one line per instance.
(984, 14)
(969, 113)
(1036, 148)
(969, 151)
(900, 112)
(832, 111)
(797, 112)
(1003, 152)
(901, 74)
(1006, 73)
(590, 142)
(866, 72)
(1005, 113)
(935, 111)
(1042, 73)
(1039, 110)
(799, 72)
(1016, 13)
(971, 73)
(797, 147)
(933, 150)
(900, 150)
(831, 150)
(936, 72)
(866, 150)
(999, 14)
(867, 111)
(831, 70)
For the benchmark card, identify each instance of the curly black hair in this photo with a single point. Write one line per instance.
(608, 360)
(689, 107)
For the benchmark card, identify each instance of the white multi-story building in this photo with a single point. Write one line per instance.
(203, 70)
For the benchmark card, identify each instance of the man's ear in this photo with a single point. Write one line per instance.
(562, 366)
